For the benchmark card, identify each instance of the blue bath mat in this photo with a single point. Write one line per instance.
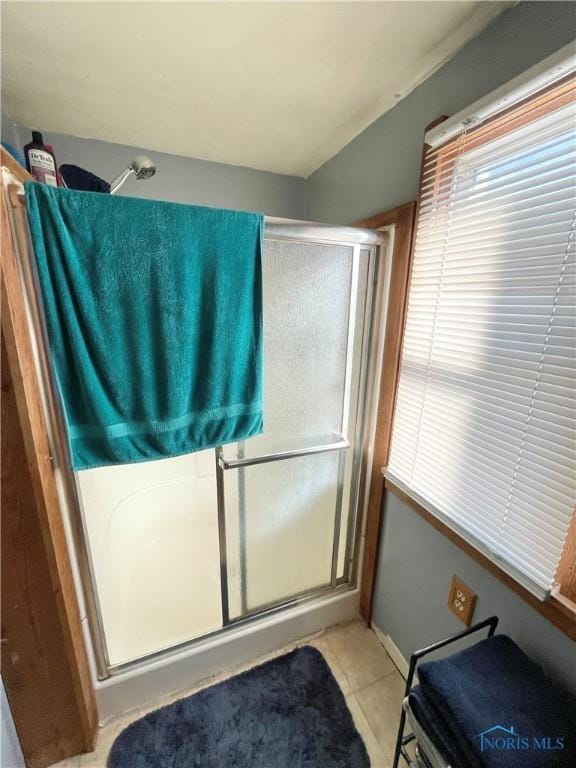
(286, 713)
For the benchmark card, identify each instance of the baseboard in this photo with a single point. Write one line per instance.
(392, 650)
(135, 688)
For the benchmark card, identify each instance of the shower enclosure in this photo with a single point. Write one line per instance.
(175, 552)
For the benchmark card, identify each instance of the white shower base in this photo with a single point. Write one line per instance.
(239, 645)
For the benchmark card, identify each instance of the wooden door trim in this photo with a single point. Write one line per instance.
(34, 430)
(402, 218)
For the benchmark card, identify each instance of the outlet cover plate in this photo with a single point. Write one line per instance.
(461, 600)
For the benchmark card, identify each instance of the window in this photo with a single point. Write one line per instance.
(484, 425)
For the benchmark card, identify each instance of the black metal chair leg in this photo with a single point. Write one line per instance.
(399, 739)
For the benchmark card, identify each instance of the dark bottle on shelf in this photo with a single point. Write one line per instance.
(40, 160)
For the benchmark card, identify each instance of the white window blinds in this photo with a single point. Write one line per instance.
(484, 426)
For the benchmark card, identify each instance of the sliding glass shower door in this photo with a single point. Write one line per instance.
(284, 491)
(182, 548)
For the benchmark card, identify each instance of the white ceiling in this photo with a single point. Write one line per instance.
(277, 86)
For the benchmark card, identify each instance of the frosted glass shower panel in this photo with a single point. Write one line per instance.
(153, 535)
(307, 289)
(284, 514)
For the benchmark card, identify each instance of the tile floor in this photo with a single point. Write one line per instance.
(372, 685)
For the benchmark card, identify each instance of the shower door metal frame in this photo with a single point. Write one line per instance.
(369, 240)
(359, 240)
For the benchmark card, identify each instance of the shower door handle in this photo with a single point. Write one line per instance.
(340, 445)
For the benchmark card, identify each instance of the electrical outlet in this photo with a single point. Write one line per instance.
(461, 600)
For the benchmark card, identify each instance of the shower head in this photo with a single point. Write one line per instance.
(142, 167)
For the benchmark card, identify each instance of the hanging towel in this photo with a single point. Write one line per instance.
(78, 178)
(154, 317)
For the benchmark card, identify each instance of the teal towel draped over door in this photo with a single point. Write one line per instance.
(154, 317)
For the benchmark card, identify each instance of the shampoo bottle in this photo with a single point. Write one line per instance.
(40, 160)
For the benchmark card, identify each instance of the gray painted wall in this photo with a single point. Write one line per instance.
(415, 568)
(178, 179)
(380, 168)
(10, 750)
(10, 132)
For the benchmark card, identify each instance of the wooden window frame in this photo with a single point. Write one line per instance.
(560, 608)
(566, 572)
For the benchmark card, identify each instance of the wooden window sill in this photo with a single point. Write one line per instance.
(557, 609)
